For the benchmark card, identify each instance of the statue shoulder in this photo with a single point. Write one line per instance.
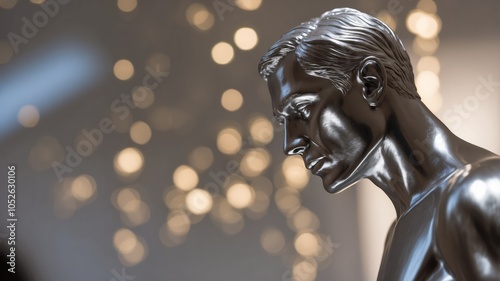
(468, 223)
(476, 185)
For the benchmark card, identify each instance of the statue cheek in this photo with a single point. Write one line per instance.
(340, 133)
(331, 125)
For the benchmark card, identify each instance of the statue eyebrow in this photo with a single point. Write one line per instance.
(288, 99)
(279, 113)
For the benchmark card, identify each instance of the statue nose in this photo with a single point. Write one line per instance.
(295, 142)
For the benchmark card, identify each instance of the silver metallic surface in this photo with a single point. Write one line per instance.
(349, 106)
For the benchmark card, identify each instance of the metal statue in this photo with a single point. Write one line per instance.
(343, 87)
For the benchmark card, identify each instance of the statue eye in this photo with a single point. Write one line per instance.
(304, 110)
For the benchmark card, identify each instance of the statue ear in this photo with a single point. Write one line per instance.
(372, 76)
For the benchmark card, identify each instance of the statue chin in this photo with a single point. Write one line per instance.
(337, 186)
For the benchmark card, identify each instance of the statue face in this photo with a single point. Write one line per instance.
(334, 133)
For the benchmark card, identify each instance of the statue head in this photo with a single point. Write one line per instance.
(333, 46)
(328, 78)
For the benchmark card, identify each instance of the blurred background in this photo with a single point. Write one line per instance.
(144, 145)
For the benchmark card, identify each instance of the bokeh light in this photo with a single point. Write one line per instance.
(428, 6)
(160, 61)
(178, 223)
(246, 38)
(263, 184)
(429, 26)
(65, 204)
(231, 100)
(199, 201)
(7, 4)
(296, 175)
(203, 20)
(131, 248)
(174, 199)
(255, 161)
(304, 220)
(185, 178)
(136, 255)
(220, 209)
(423, 24)
(259, 206)
(124, 240)
(287, 200)
(427, 83)
(305, 270)
(138, 215)
(222, 53)
(272, 241)
(123, 69)
(83, 187)
(168, 238)
(229, 141)
(229, 219)
(140, 132)
(162, 119)
(46, 151)
(412, 19)
(6, 52)
(199, 16)
(240, 195)
(201, 158)
(126, 5)
(306, 244)
(249, 5)
(143, 97)
(128, 161)
(425, 47)
(233, 223)
(429, 63)
(261, 130)
(28, 116)
(126, 199)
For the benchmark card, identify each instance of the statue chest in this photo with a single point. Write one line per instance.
(411, 252)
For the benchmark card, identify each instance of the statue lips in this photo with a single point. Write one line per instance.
(314, 164)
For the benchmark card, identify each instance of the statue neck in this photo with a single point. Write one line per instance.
(418, 152)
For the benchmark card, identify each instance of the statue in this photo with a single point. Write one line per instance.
(343, 87)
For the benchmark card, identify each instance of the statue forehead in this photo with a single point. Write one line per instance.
(289, 78)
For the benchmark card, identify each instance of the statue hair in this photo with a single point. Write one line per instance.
(332, 47)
